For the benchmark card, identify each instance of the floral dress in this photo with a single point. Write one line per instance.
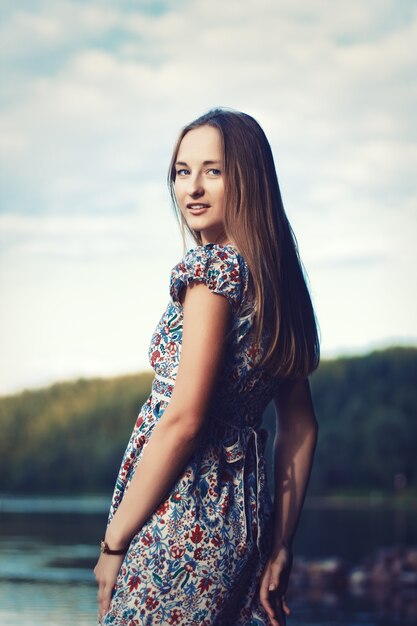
(198, 558)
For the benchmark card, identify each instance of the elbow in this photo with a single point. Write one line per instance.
(307, 423)
(185, 425)
(308, 428)
(311, 422)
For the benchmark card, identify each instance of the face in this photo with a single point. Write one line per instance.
(199, 183)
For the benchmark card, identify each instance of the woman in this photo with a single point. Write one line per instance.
(192, 536)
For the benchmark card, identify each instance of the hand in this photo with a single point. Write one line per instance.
(106, 571)
(274, 581)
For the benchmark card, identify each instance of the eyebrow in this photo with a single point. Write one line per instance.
(204, 163)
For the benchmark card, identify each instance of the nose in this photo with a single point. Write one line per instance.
(195, 188)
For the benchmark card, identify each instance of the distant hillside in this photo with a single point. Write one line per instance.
(70, 437)
(367, 409)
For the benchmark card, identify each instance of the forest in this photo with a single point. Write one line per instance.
(69, 438)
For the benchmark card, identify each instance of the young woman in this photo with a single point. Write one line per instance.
(193, 537)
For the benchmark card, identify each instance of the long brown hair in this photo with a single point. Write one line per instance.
(255, 220)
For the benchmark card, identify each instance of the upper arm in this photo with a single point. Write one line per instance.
(206, 320)
(294, 405)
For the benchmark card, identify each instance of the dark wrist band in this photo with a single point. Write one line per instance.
(104, 549)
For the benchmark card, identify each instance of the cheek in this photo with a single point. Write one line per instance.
(221, 197)
(177, 191)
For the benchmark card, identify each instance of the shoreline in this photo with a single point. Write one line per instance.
(91, 504)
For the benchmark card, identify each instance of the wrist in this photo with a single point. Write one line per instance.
(281, 545)
(115, 542)
(106, 549)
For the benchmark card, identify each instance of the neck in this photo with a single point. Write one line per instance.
(220, 240)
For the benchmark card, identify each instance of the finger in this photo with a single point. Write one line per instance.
(285, 606)
(281, 617)
(269, 609)
(104, 599)
(275, 621)
(277, 616)
(104, 607)
(102, 612)
(264, 597)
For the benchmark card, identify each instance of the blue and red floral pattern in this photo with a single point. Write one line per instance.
(197, 560)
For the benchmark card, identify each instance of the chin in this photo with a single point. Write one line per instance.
(197, 226)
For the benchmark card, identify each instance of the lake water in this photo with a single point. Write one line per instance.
(48, 548)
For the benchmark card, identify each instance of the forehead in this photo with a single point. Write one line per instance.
(201, 143)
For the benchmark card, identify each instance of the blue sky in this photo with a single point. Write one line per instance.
(93, 95)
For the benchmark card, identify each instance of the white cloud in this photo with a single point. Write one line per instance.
(82, 295)
(92, 108)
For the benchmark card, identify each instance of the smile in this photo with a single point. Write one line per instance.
(197, 205)
(197, 208)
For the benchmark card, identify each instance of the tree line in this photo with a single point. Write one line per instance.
(70, 437)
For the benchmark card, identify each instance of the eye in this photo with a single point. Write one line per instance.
(214, 171)
(183, 172)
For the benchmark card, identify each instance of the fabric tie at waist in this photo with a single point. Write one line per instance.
(234, 452)
(237, 451)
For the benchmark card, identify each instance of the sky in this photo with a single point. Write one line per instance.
(92, 97)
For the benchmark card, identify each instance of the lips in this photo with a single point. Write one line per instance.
(196, 206)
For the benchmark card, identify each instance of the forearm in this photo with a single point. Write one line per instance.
(166, 453)
(293, 458)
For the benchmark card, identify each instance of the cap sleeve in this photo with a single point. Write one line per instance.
(215, 265)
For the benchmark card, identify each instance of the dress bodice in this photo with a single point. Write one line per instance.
(243, 388)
